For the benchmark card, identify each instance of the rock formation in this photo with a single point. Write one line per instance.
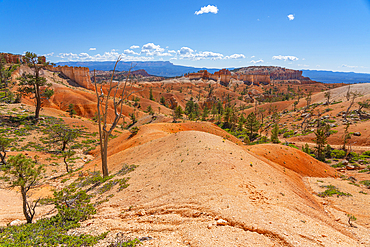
(78, 74)
(224, 76)
(12, 58)
(253, 75)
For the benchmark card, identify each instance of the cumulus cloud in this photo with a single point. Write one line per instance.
(285, 58)
(253, 56)
(190, 54)
(258, 61)
(92, 49)
(151, 49)
(291, 17)
(128, 51)
(207, 9)
(185, 50)
(235, 56)
(134, 47)
(107, 56)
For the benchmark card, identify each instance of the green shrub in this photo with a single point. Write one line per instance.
(332, 190)
(339, 154)
(365, 182)
(46, 232)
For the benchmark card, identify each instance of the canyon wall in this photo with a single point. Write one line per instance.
(78, 74)
(255, 79)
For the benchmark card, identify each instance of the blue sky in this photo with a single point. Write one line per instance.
(318, 35)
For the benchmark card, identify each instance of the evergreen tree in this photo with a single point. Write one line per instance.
(149, 110)
(321, 140)
(220, 109)
(4, 144)
(252, 125)
(346, 136)
(241, 122)
(71, 111)
(227, 117)
(189, 107)
(63, 135)
(177, 113)
(34, 84)
(5, 81)
(163, 101)
(205, 113)
(214, 110)
(196, 111)
(22, 172)
(275, 133)
(151, 94)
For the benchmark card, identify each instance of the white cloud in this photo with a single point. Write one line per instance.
(134, 47)
(128, 51)
(258, 61)
(92, 49)
(235, 56)
(348, 66)
(49, 54)
(185, 50)
(291, 17)
(253, 56)
(151, 49)
(107, 56)
(151, 46)
(285, 58)
(207, 9)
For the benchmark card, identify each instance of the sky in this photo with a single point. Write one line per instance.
(315, 34)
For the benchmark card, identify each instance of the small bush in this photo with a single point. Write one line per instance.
(332, 190)
(339, 154)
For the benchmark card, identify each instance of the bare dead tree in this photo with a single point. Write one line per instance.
(103, 108)
(353, 96)
(327, 95)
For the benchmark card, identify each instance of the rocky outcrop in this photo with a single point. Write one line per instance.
(14, 58)
(78, 74)
(255, 79)
(274, 73)
(223, 76)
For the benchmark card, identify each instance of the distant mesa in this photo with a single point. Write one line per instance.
(253, 75)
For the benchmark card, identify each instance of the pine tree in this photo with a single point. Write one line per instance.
(5, 81)
(275, 133)
(71, 111)
(321, 140)
(205, 113)
(163, 101)
(149, 110)
(34, 84)
(151, 97)
(23, 172)
(252, 125)
(177, 113)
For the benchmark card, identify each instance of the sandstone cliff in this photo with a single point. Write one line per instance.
(78, 74)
